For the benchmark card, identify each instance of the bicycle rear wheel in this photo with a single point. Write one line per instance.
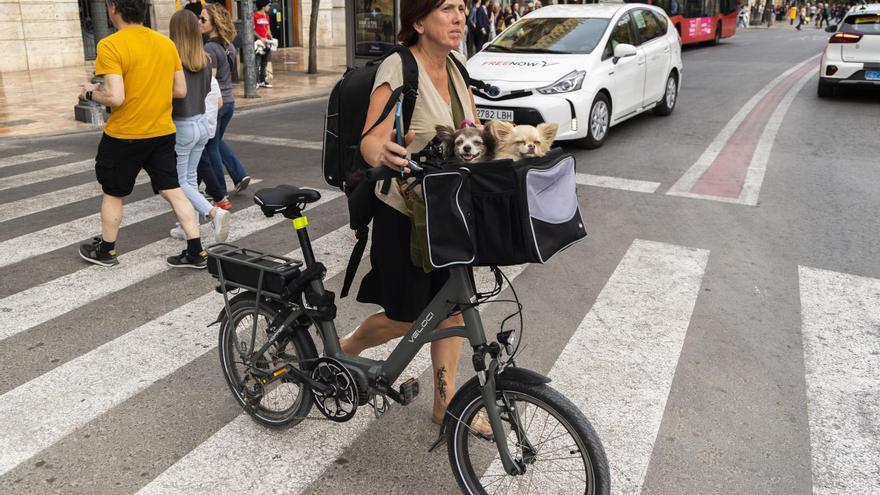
(545, 433)
(284, 402)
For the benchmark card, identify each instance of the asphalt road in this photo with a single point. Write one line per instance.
(718, 347)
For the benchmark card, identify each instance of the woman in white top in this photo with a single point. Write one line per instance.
(432, 29)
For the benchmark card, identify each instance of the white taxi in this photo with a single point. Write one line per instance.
(852, 56)
(584, 67)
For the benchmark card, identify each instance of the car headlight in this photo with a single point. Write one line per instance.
(567, 83)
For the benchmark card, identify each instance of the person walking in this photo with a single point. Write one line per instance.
(263, 34)
(801, 18)
(492, 10)
(482, 29)
(394, 282)
(189, 118)
(792, 15)
(142, 73)
(217, 26)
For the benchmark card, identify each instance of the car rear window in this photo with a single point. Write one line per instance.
(863, 23)
(551, 35)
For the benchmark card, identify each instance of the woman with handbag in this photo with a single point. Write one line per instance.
(432, 30)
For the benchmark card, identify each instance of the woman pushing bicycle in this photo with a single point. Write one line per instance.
(432, 29)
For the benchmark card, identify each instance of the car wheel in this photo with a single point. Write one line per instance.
(598, 124)
(825, 90)
(670, 97)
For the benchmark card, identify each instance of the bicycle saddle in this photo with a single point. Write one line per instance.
(284, 199)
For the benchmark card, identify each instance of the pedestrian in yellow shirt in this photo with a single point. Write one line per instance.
(142, 72)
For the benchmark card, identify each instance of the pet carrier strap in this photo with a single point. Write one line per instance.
(355, 260)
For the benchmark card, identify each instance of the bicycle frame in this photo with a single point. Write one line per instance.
(458, 290)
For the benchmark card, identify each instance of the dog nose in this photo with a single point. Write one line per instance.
(531, 147)
(466, 148)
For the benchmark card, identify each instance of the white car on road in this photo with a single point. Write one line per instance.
(853, 53)
(584, 67)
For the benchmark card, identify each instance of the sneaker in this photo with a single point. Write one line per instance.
(242, 184)
(92, 253)
(261, 85)
(183, 260)
(223, 203)
(267, 85)
(177, 233)
(220, 224)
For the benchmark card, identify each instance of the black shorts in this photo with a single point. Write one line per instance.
(120, 160)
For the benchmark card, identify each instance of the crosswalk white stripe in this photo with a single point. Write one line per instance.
(274, 141)
(26, 309)
(617, 183)
(58, 236)
(80, 390)
(54, 199)
(11, 161)
(619, 364)
(26, 179)
(840, 321)
(241, 456)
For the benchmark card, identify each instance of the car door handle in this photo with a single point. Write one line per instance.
(666, 50)
(640, 62)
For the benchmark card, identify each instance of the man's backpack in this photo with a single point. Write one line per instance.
(342, 163)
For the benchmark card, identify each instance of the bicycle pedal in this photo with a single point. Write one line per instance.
(409, 390)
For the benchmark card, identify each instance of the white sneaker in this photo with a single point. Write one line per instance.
(220, 224)
(178, 233)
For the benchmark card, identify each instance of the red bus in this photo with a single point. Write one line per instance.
(699, 20)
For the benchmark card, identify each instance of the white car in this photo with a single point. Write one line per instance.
(853, 53)
(584, 67)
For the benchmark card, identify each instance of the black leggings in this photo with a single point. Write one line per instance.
(263, 61)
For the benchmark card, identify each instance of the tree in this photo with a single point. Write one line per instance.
(313, 37)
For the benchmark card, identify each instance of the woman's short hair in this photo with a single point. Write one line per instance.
(132, 11)
(412, 11)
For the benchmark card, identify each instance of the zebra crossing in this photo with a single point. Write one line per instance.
(618, 364)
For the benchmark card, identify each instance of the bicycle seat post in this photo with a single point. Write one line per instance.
(300, 224)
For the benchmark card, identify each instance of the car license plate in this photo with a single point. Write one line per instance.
(492, 114)
(872, 75)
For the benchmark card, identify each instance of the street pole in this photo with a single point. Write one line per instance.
(247, 46)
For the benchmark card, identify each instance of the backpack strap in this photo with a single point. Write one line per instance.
(476, 83)
(409, 91)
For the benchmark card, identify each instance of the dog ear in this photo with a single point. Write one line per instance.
(446, 136)
(500, 129)
(548, 132)
(489, 141)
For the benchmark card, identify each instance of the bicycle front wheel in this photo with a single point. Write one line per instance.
(546, 434)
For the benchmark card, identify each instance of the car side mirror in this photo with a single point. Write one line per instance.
(831, 28)
(623, 50)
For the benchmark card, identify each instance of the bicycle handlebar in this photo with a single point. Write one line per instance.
(382, 172)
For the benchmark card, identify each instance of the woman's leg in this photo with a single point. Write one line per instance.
(375, 330)
(230, 160)
(206, 175)
(445, 355)
(215, 155)
(188, 137)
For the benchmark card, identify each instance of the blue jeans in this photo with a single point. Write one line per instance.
(192, 135)
(221, 154)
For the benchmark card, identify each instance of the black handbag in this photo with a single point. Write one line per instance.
(502, 212)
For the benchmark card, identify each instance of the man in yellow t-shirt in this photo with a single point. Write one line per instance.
(142, 72)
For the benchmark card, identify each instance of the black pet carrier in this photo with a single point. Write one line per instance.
(502, 212)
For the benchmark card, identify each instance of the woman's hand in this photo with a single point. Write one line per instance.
(391, 154)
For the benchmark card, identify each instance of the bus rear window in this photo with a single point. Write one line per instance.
(863, 23)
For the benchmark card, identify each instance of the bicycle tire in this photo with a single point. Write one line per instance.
(242, 307)
(459, 436)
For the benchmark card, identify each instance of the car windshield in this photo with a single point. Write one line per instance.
(864, 23)
(551, 35)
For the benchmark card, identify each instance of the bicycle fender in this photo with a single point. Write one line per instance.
(464, 393)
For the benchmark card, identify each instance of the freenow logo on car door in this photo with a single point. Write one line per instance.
(519, 63)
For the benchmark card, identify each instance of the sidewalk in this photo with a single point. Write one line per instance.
(41, 102)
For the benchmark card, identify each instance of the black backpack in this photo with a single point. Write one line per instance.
(342, 163)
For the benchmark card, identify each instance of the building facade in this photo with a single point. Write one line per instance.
(37, 34)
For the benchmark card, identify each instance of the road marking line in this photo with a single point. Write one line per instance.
(274, 141)
(689, 181)
(58, 236)
(254, 467)
(11, 161)
(840, 318)
(24, 310)
(642, 186)
(42, 175)
(619, 364)
(80, 390)
(54, 199)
